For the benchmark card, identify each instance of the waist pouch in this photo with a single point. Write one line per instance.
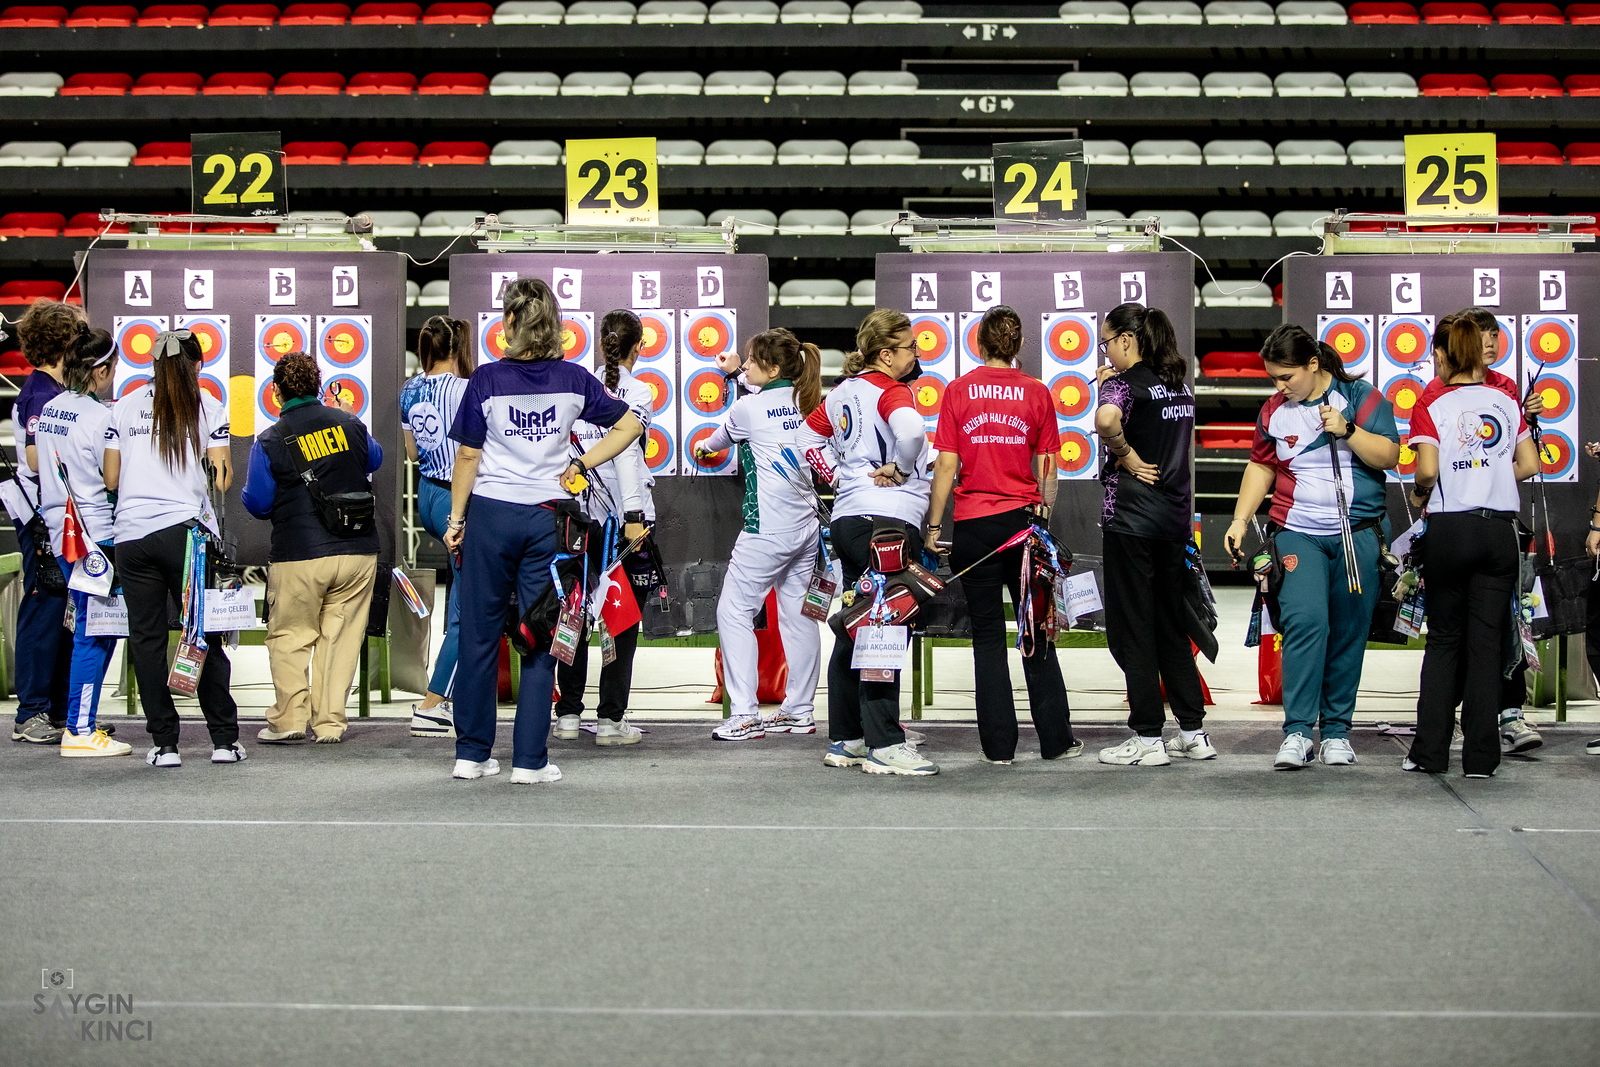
(1564, 584)
(341, 514)
(47, 575)
(888, 550)
(904, 594)
(530, 630)
(572, 528)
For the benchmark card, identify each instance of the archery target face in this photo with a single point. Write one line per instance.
(932, 336)
(1557, 394)
(1348, 335)
(1406, 340)
(346, 340)
(1071, 394)
(577, 335)
(136, 337)
(658, 450)
(709, 332)
(718, 461)
(927, 393)
(1405, 393)
(277, 336)
(266, 399)
(970, 320)
(1408, 458)
(211, 331)
(660, 390)
(656, 334)
(1549, 339)
(348, 389)
(1076, 452)
(1506, 344)
(214, 385)
(1557, 457)
(708, 392)
(1069, 338)
(491, 337)
(131, 383)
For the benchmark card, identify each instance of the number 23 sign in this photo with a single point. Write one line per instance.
(612, 181)
(1452, 174)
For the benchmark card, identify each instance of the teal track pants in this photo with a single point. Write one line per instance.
(1324, 630)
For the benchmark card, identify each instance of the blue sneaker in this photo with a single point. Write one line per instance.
(847, 754)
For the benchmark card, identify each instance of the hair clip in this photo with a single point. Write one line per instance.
(169, 343)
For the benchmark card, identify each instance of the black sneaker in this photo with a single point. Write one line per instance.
(1593, 747)
(163, 756)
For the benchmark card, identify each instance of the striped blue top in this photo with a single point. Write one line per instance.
(428, 406)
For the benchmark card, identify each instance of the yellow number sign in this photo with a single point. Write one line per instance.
(612, 182)
(1452, 174)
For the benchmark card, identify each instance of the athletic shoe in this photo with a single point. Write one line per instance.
(279, 737)
(37, 730)
(740, 728)
(163, 756)
(329, 739)
(1073, 751)
(1489, 775)
(847, 754)
(1457, 740)
(620, 732)
(465, 768)
(996, 762)
(437, 721)
(1199, 748)
(567, 727)
(1516, 735)
(1336, 752)
(1294, 753)
(788, 723)
(94, 744)
(1593, 747)
(899, 759)
(1135, 752)
(1407, 765)
(528, 776)
(234, 753)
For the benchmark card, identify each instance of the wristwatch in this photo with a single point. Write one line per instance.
(631, 518)
(1349, 430)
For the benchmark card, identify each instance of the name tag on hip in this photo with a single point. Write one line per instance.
(230, 609)
(107, 617)
(1083, 596)
(882, 648)
(16, 502)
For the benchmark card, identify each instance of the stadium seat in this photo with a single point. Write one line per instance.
(1527, 153)
(1232, 365)
(814, 12)
(454, 153)
(1218, 435)
(315, 15)
(814, 220)
(745, 219)
(176, 84)
(1310, 154)
(682, 216)
(667, 83)
(457, 14)
(387, 83)
(26, 292)
(100, 154)
(448, 223)
(1581, 84)
(14, 364)
(884, 12)
(32, 17)
(1453, 85)
(864, 294)
(1579, 154)
(386, 14)
(394, 223)
(1299, 223)
(1105, 153)
(813, 292)
(173, 15)
(1236, 224)
(739, 83)
(1380, 83)
(813, 153)
(32, 153)
(1384, 13)
(1174, 222)
(671, 13)
(1236, 294)
(309, 83)
(163, 154)
(1455, 15)
(1094, 13)
(243, 15)
(742, 12)
(102, 15)
(527, 154)
(1238, 154)
(873, 152)
(233, 83)
(1093, 83)
(529, 13)
(1167, 153)
(413, 291)
(464, 84)
(596, 83)
(1164, 83)
(385, 153)
(873, 220)
(1528, 15)
(1239, 13)
(531, 216)
(88, 224)
(1376, 153)
(1525, 85)
(882, 83)
(680, 153)
(524, 83)
(1236, 83)
(600, 13)
(97, 85)
(1167, 13)
(810, 83)
(734, 152)
(314, 153)
(435, 295)
(1308, 83)
(1583, 14)
(34, 224)
(1312, 13)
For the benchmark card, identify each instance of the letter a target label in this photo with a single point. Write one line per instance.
(275, 337)
(135, 338)
(344, 356)
(1351, 337)
(212, 333)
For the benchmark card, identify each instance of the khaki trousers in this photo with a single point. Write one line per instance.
(317, 618)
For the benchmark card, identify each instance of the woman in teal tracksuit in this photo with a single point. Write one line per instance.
(1319, 406)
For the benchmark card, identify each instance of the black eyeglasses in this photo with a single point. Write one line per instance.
(1108, 340)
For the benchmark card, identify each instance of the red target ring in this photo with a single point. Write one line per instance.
(1408, 457)
(212, 343)
(349, 390)
(213, 385)
(660, 391)
(1405, 393)
(655, 338)
(1071, 394)
(1349, 339)
(138, 342)
(1556, 454)
(932, 338)
(494, 340)
(1407, 343)
(717, 461)
(133, 384)
(657, 449)
(709, 336)
(708, 392)
(970, 336)
(927, 393)
(1502, 346)
(574, 339)
(267, 400)
(1069, 340)
(1550, 341)
(1557, 396)
(344, 342)
(280, 337)
(1075, 452)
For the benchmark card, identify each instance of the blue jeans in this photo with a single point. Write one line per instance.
(433, 509)
(1325, 630)
(90, 658)
(508, 547)
(44, 659)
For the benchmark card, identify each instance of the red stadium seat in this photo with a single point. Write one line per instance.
(173, 15)
(1584, 154)
(163, 154)
(1225, 435)
(1232, 365)
(29, 291)
(1525, 85)
(455, 152)
(391, 84)
(1583, 14)
(244, 15)
(1453, 85)
(1384, 13)
(97, 85)
(390, 153)
(314, 153)
(102, 15)
(232, 83)
(74, 296)
(1524, 153)
(1581, 84)
(304, 83)
(14, 364)
(1528, 15)
(186, 84)
(88, 224)
(453, 85)
(315, 15)
(386, 15)
(31, 224)
(32, 17)
(453, 14)
(1455, 14)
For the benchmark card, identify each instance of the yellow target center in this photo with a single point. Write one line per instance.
(651, 448)
(709, 394)
(141, 344)
(343, 344)
(1549, 343)
(650, 336)
(1405, 344)
(655, 394)
(282, 343)
(568, 339)
(1071, 451)
(1344, 344)
(1406, 398)
(1070, 395)
(926, 341)
(206, 343)
(499, 342)
(707, 337)
(1406, 455)
(1551, 452)
(1550, 397)
(927, 395)
(1069, 341)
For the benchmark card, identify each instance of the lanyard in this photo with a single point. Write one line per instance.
(194, 588)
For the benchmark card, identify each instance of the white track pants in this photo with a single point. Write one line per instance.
(761, 563)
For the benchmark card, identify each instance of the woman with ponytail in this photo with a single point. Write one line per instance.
(1319, 407)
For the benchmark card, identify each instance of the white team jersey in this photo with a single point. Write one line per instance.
(639, 398)
(72, 428)
(1476, 429)
(869, 420)
(150, 495)
(778, 496)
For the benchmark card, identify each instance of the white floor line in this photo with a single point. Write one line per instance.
(723, 827)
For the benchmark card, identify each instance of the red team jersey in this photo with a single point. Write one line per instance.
(996, 419)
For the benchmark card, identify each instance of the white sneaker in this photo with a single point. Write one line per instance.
(899, 759)
(789, 723)
(847, 753)
(277, 737)
(163, 757)
(465, 768)
(98, 743)
(1199, 748)
(437, 721)
(1336, 752)
(620, 732)
(1294, 753)
(567, 728)
(740, 728)
(1135, 752)
(528, 776)
(234, 753)
(1517, 735)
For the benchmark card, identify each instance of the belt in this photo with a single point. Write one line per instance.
(1487, 513)
(440, 482)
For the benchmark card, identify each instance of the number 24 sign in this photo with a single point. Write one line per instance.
(1452, 174)
(1037, 180)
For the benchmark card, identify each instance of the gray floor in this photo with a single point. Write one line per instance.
(691, 902)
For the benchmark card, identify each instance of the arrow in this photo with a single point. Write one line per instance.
(969, 32)
(1009, 31)
(967, 103)
(968, 173)
(1007, 103)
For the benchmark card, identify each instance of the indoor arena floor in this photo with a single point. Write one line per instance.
(692, 902)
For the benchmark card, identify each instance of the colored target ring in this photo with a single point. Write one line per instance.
(1503, 346)
(657, 449)
(655, 338)
(1405, 393)
(1408, 457)
(213, 385)
(494, 340)
(345, 342)
(927, 393)
(266, 400)
(213, 344)
(1557, 395)
(1556, 454)
(1407, 343)
(137, 342)
(660, 391)
(1069, 340)
(709, 336)
(1075, 452)
(348, 389)
(708, 392)
(1071, 394)
(718, 461)
(1490, 432)
(1349, 339)
(1549, 341)
(133, 383)
(574, 339)
(932, 338)
(280, 337)
(969, 336)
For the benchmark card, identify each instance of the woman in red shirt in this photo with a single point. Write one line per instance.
(997, 428)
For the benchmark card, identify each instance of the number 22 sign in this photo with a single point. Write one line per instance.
(1452, 174)
(238, 174)
(612, 182)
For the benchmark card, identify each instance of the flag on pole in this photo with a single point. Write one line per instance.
(614, 601)
(91, 568)
(74, 545)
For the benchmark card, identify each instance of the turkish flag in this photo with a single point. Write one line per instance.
(74, 546)
(614, 597)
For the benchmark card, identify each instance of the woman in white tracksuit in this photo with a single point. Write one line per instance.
(781, 538)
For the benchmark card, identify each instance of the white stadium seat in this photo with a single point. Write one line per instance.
(882, 83)
(413, 291)
(525, 154)
(811, 83)
(1093, 83)
(746, 12)
(671, 12)
(745, 219)
(876, 12)
(1239, 13)
(524, 83)
(596, 83)
(1167, 13)
(1103, 215)
(728, 153)
(1236, 224)
(1236, 83)
(448, 223)
(532, 216)
(600, 13)
(1238, 154)
(1105, 153)
(864, 294)
(683, 216)
(814, 220)
(1174, 222)
(813, 153)
(435, 295)
(100, 154)
(1299, 223)
(1095, 12)
(1169, 153)
(772, 294)
(868, 152)
(529, 13)
(739, 83)
(1164, 83)
(1309, 83)
(813, 292)
(1311, 153)
(32, 153)
(680, 153)
(1312, 13)
(873, 220)
(667, 83)
(835, 12)
(394, 223)
(1236, 294)
(1376, 153)
(1387, 83)
(21, 83)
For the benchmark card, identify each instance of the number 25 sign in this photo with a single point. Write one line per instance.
(1452, 174)
(612, 182)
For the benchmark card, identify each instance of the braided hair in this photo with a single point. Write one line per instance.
(620, 333)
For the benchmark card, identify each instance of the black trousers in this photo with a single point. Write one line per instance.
(1469, 565)
(616, 678)
(1591, 637)
(984, 584)
(151, 570)
(1144, 630)
(870, 710)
